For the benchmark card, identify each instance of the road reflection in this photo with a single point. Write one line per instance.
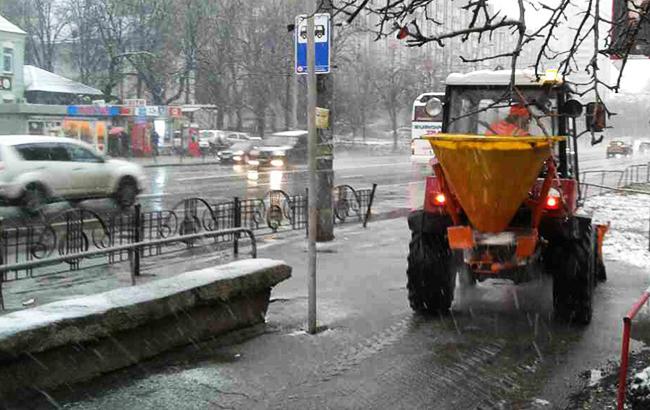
(275, 179)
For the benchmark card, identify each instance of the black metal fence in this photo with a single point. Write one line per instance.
(597, 182)
(81, 236)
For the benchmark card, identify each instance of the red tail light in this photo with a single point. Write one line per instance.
(439, 199)
(552, 202)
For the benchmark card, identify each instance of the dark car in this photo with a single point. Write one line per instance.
(280, 150)
(616, 148)
(238, 153)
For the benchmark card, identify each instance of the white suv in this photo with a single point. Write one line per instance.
(35, 170)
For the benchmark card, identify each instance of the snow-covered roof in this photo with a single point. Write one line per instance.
(496, 77)
(9, 27)
(37, 79)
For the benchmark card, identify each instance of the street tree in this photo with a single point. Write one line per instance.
(87, 53)
(584, 23)
(393, 82)
(45, 22)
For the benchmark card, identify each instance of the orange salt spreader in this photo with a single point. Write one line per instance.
(491, 176)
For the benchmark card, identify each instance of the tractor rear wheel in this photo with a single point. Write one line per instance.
(431, 273)
(574, 278)
(599, 264)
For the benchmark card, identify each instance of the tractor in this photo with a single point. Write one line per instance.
(506, 206)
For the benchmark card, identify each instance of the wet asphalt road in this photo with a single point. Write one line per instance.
(400, 181)
(498, 348)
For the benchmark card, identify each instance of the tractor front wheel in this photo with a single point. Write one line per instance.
(431, 274)
(574, 278)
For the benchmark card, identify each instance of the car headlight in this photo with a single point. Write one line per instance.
(237, 158)
(277, 162)
(279, 153)
(240, 153)
(253, 162)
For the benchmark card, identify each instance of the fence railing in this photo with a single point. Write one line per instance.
(597, 182)
(74, 237)
(625, 348)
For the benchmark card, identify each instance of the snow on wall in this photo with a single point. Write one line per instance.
(627, 239)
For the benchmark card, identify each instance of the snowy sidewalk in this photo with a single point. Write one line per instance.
(628, 236)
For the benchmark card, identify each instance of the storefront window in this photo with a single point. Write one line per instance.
(89, 131)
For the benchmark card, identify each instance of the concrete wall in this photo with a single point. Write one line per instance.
(75, 340)
(13, 124)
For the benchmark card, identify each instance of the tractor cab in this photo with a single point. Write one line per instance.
(504, 197)
(477, 102)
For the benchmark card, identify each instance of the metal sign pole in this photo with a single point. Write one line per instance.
(313, 179)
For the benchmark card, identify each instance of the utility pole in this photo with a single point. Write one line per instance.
(313, 177)
(324, 166)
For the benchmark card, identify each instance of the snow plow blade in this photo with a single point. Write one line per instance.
(491, 175)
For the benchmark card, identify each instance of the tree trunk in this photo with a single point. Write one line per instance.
(240, 121)
(139, 86)
(393, 123)
(220, 119)
(260, 118)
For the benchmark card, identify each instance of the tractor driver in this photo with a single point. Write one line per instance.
(516, 123)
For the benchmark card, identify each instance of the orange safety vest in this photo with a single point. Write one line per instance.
(503, 127)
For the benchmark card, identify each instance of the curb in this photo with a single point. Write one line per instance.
(392, 214)
(180, 164)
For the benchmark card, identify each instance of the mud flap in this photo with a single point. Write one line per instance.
(429, 223)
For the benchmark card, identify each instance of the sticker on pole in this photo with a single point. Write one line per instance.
(321, 43)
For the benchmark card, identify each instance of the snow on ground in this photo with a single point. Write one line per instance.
(627, 239)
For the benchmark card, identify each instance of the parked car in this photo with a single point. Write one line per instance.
(213, 137)
(235, 136)
(36, 170)
(644, 147)
(238, 153)
(619, 148)
(281, 149)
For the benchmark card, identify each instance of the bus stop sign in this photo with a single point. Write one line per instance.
(321, 44)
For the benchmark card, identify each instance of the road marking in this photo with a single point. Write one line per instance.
(294, 171)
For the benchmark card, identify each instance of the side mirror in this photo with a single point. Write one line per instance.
(433, 107)
(572, 108)
(596, 117)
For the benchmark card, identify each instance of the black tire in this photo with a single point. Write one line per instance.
(431, 275)
(33, 199)
(572, 265)
(599, 264)
(126, 193)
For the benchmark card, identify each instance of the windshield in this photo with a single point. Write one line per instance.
(479, 111)
(274, 141)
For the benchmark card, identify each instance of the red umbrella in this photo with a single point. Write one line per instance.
(116, 131)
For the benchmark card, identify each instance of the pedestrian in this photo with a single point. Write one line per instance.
(124, 144)
(515, 124)
(155, 139)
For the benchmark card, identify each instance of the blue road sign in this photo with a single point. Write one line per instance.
(322, 43)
